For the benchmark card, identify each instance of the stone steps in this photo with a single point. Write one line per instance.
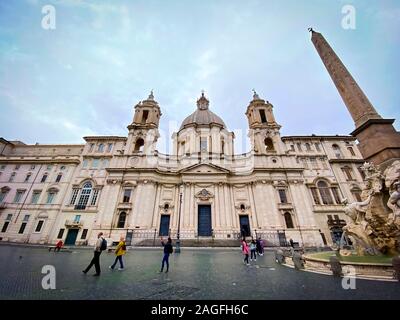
(192, 243)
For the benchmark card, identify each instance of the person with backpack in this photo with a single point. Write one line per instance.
(167, 251)
(100, 246)
(120, 250)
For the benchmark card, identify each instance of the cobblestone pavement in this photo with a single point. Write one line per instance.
(194, 274)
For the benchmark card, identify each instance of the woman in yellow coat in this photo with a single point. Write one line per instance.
(120, 250)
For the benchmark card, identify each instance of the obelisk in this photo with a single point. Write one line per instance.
(378, 139)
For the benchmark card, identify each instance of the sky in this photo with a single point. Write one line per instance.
(85, 76)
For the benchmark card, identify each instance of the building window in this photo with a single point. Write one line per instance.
(50, 196)
(39, 226)
(49, 167)
(308, 146)
(44, 177)
(12, 176)
(62, 168)
(100, 148)
(288, 220)
(356, 192)
(317, 147)
(94, 197)
(3, 193)
(362, 173)
(292, 147)
(85, 163)
(336, 195)
(77, 218)
(22, 228)
(348, 173)
(263, 117)
(74, 195)
(269, 146)
(91, 147)
(18, 196)
(60, 234)
(325, 192)
(324, 164)
(203, 144)
(299, 146)
(337, 151)
(35, 196)
(139, 145)
(84, 234)
(109, 147)
(315, 195)
(5, 226)
(351, 151)
(59, 176)
(222, 146)
(121, 220)
(26, 218)
(314, 163)
(95, 163)
(105, 163)
(282, 195)
(9, 216)
(127, 195)
(84, 197)
(28, 176)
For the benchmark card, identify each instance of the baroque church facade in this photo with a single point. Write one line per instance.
(284, 187)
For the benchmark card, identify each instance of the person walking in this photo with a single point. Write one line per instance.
(245, 251)
(261, 246)
(253, 248)
(167, 251)
(120, 250)
(58, 246)
(258, 246)
(291, 242)
(101, 245)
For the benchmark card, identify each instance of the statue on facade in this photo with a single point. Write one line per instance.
(375, 221)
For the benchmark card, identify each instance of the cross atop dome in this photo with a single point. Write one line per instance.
(202, 102)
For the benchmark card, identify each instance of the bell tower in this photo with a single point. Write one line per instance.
(143, 131)
(263, 129)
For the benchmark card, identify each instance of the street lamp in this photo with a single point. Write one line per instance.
(178, 241)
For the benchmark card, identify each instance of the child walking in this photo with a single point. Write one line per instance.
(120, 250)
(253, 249)
(245, 251)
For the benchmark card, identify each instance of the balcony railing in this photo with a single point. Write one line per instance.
(80, 207)
(73, 223)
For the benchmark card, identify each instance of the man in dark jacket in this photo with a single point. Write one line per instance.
(167, 251)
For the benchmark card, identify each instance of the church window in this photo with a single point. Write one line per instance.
(85, 163)
(50, 196)
(74, 195)
(84, 196)
(100, 148)
(222, 146)
(94, 197)
(12, 176)
(299, 146)
(121, 220)
(337, 151)
(145, 116)
(109, 148)
(203, 144)
(127, 195)
(288, 220)
(263, 117)
(361, 171)
(91, 147)
(44, 177)
(282, 196)
(336, 195)
(59, 176)
(139, 145)
(95, 163)
(28, 176)
(317, 146)
(315, 195)
(308, 147)
(292, 147)
(268, 144)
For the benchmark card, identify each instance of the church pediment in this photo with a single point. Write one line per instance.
(204, 169)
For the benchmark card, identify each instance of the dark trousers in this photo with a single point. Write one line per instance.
(165, 260)
(246, 258)
(118, 258)
(96, 262)
(253, 254)
(57, 249)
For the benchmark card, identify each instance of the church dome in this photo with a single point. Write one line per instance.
(202, 116)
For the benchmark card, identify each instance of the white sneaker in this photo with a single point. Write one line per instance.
(110, 267)
(248, 264)
(121, 269)
(251, 259)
